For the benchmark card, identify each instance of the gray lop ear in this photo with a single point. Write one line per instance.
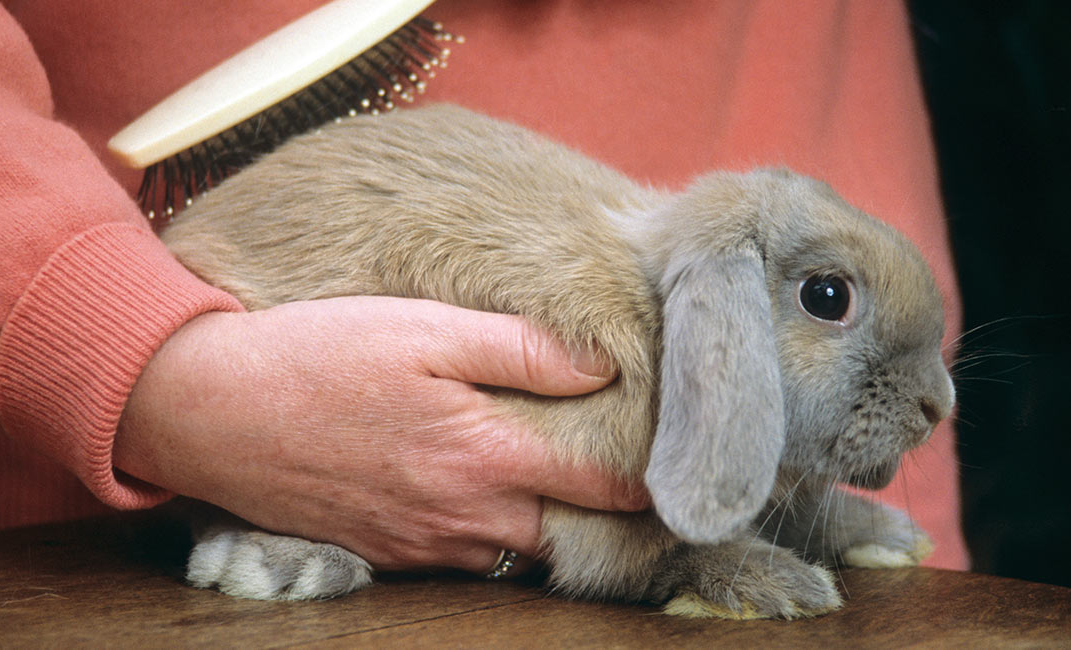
(721, 428)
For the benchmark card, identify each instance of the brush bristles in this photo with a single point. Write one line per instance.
(394, 70)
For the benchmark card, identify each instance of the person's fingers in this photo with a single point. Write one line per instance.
(518, 526)
(583, 484)
(511, 521)
(508, 351)
(591, 487)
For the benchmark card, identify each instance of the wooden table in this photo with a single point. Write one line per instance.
(115, 581)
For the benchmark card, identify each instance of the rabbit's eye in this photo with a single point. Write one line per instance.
(825, 297)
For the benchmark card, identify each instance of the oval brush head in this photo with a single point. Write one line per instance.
(347, 57)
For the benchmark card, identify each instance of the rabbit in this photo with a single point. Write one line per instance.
(772, 342)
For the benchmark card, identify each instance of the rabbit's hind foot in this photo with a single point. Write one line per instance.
(262, 566)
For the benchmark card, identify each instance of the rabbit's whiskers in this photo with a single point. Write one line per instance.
(787, 504)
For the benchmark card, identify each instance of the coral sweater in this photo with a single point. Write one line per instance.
(662, 91)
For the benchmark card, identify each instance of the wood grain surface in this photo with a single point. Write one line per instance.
(116, 581)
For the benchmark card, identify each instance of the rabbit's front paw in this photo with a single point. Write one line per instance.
(879, 537)
(741, 580)
(846, 529)
(262, 566)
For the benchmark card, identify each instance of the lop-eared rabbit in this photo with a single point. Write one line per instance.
(772, 341)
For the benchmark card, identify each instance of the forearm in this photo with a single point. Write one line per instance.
(87, 292)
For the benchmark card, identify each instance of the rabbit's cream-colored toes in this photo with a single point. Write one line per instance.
(878, 556)
(689, 604)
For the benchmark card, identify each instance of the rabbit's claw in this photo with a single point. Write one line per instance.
(262, 566)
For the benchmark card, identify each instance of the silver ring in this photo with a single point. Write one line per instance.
(503, 564)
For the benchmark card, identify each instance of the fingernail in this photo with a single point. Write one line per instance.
(594, 364)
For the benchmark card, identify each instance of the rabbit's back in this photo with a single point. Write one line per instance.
(443, 204)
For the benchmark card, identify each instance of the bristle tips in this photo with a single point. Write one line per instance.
(396, 69)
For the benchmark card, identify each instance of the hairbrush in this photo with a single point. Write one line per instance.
(344, 58)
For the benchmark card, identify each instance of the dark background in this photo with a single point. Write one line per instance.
(998, 82)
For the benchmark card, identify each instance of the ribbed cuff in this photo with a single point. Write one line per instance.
(77, 339)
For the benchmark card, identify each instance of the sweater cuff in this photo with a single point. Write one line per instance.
(77, 339)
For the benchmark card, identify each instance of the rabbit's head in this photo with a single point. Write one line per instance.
(801, 335)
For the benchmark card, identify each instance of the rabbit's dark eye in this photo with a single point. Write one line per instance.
(825, 297)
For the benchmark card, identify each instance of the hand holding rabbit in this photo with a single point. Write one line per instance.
(354, 421)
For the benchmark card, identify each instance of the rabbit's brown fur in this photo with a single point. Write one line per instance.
(695, 297)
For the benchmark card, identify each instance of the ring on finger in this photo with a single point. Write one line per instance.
(506, 560)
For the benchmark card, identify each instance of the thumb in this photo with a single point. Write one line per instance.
(507, 351)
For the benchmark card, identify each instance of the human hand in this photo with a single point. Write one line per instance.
(355, 421)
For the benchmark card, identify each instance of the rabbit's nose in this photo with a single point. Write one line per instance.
(931, 411)
(938, 406)
(940, 397)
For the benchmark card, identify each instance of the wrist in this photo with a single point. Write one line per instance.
(76, 340)
(154, 436)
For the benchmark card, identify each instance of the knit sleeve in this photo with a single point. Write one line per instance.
(87, 291)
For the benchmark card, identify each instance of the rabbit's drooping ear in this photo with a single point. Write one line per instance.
(721, 426)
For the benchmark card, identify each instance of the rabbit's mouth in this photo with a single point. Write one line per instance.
(874, 477)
